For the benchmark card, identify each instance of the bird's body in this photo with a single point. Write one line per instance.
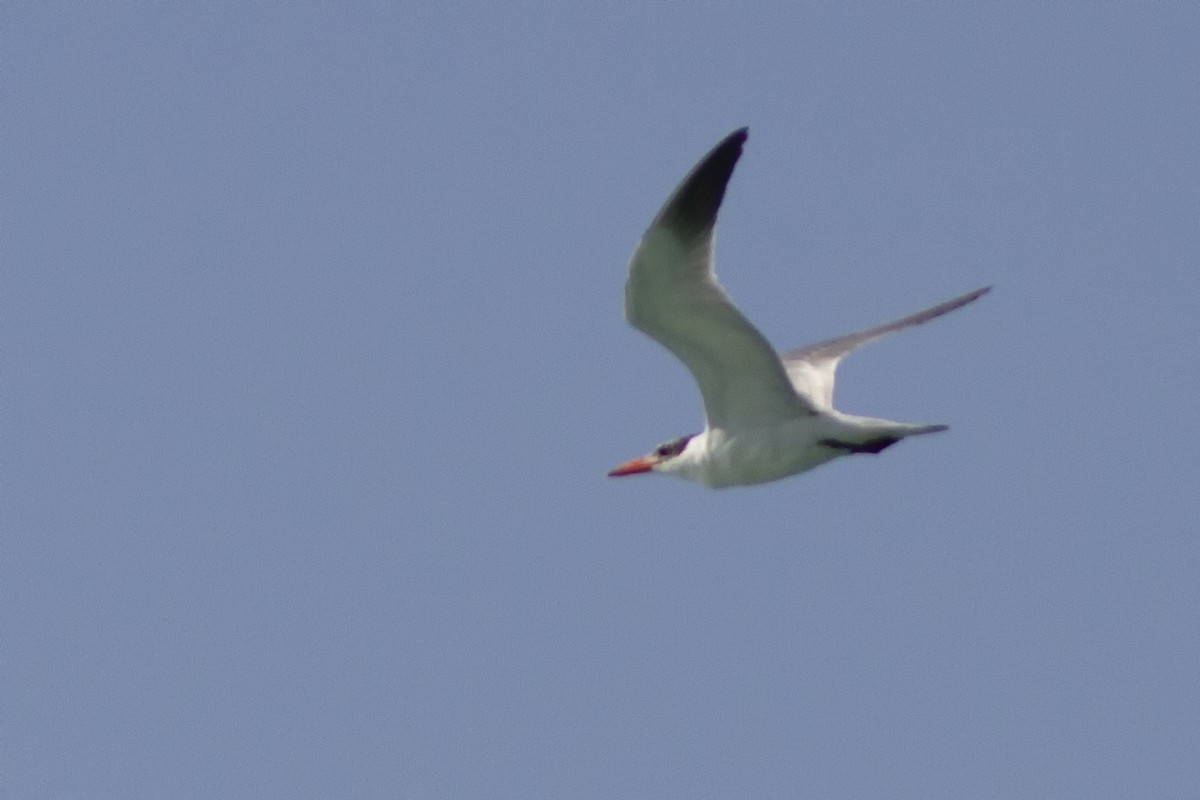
(718, 458)
(767, 416)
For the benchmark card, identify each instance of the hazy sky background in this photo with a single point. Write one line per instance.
(313, 363)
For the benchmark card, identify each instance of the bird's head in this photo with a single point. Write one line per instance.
(660, 458)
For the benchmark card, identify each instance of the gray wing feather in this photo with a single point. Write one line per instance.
(672, 295)
(812, 368)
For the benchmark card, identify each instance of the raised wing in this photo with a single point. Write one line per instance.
(812, 368)
(672, 295)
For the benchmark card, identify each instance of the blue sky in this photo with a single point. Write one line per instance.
(314, 364)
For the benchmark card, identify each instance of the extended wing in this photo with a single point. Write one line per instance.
(672, 295)
(812, 368)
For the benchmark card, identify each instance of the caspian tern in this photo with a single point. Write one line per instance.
(766, 416)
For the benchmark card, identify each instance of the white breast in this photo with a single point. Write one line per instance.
(719, 459)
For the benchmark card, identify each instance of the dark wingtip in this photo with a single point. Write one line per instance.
(693, 208)
(969, 297)
(740, 136)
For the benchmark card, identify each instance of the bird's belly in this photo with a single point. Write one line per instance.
(747, 460)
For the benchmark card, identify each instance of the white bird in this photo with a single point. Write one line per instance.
(766, 416)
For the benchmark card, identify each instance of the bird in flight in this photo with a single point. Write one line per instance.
(766, 416)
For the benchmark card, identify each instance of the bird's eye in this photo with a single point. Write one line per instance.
(671, 448)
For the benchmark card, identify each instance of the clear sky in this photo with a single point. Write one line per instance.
(314, 363)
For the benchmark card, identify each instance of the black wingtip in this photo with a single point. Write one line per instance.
(969, 297)
(693, 208)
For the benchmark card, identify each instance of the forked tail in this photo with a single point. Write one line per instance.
(881, 437)
(917, 430)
